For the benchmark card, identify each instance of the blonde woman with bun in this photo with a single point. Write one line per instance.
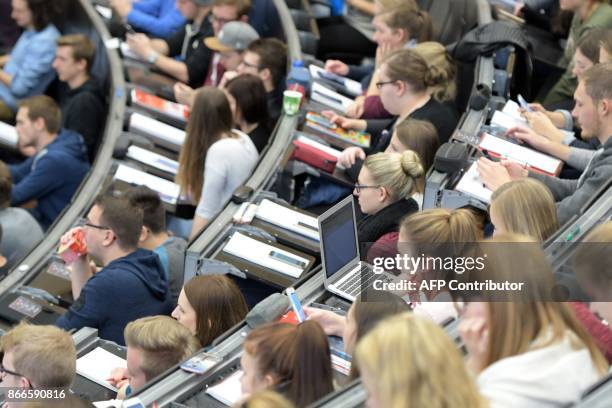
(408, 361)
(442, 67)
(384, 191)
(524, 206)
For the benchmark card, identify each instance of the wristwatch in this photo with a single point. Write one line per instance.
(153, 56)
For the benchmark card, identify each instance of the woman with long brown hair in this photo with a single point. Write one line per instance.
(215, 158)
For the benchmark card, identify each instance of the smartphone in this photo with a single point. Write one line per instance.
(295, 304)
(200, 363)
(524, 103)
(287, 259)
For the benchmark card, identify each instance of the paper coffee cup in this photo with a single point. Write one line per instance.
(291, 102)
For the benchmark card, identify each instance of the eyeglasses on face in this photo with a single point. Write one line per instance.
(84, 222)
(359, 187)
(249, 65)
(4, 370)
(380, 84)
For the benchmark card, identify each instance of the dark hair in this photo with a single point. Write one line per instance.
(218, 303)
(272, 56)
(606, 42)
(44, 12)
(82, 48)
(243, 7)
(589, 43)
(417, 24)
(43, 106)
(210, 118)
(421, 137)
(154, 214)
(124, 219)
(250, 94)
(6, 186)
(296, 355)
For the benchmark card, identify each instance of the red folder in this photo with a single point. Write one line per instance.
(313, 156)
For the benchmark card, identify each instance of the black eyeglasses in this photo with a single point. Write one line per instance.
(358, 187)
(382, 83)
(84, 222)
(5, 370)
(246, 64)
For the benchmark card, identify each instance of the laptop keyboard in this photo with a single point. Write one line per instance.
(355, 285)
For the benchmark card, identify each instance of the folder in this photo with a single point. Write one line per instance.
(160, 105)
(352, 87)
(530, 158)
(289, 219)
(168, 191)
(471, 184)
(8, 135)
(161, 133)
(153, 159)
(315, 154)
(97, 366)
(228, 391)
(326, 96)
(267, 256)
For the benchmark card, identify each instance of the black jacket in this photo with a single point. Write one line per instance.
(84, 111)
(371, 227)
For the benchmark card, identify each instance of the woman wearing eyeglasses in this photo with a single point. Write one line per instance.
(384, 188)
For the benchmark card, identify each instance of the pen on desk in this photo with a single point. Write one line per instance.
(310, 227)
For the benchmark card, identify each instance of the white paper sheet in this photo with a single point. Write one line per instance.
(168, 191)
(352, 86)
(152, 159)
(97, 366)
(320, 146)
(326, 96)
(105, 12)
(128, 53)
(228, 391)
(159, 131)
(512, 108)
(287, 218)
(8, 135)
(259, 253)
(471, 184)
(506, 121)
(520, 154)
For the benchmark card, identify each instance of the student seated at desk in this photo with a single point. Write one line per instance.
(215, 158)
(27, 71)
(594, 112)
(588, 14)
(292, 359)
(247, 96)
(131, 284)
(37, 357)
(364, 314)
(265, 399)
(209, 305)
(385, 188)
(159, 18)
(408, 361)
(525, 349)
(155, 237)
(59, 164)
(154, 344)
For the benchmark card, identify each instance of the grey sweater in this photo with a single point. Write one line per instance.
(571, 195)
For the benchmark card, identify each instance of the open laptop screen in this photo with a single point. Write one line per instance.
(338, 239)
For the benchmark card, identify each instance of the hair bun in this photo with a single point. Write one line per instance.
(411, 164)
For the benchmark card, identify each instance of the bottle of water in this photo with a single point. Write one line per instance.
(299, 78)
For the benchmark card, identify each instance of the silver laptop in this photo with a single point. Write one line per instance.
(340, 252)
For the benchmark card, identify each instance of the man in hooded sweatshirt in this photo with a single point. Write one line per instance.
(54, 172)
(132, 283)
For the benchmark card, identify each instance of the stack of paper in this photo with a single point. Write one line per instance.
(161, 133)
(260, 253)
(167, 190)
(153, 102)
(152, 159)
(471, 184)
(289, 219)
(320, 146)
(8, 135)
(351, 86)
(97, 366)
(326, 96)
(228, 391)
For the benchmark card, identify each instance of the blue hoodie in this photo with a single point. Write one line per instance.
(127, 289)
(51, 177)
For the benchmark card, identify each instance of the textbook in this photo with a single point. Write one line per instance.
(157, 104)
(352, 87)
(471, 184)
(8, 135)
(228, 391)
(266, 256)
(97, 366)
(168, 191)
(152, 159)
(289, 219)
(321, 126)
(162, 134)
(531, 159)
(326, 96)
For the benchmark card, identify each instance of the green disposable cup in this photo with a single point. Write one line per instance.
(291, 102)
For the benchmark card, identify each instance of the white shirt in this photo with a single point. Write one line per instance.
(229, 162)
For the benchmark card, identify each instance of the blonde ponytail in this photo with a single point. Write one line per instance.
(397, 172)
(442, 73)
